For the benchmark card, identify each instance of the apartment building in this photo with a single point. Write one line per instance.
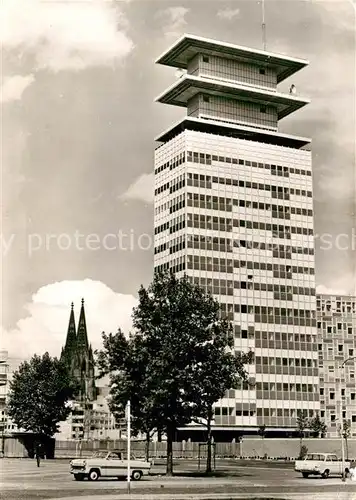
(336, 323)
(234, 211)
(8, 365)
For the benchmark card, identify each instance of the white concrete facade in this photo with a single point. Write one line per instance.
(336, 325)
(235, 214)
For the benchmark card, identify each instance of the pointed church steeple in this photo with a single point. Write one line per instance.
(82, 336)
(71, 340)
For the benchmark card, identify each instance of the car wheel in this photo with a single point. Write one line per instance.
(325, 474)
(136, 475)
(78, 477)
(305, 474)
(94, 475)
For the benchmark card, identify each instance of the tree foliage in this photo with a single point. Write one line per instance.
(318, 426)
(262, 431)
(346, 429)
(302, 422)
(125, 360)
(302, 425)
(39, 392)
(179, 362)
(346, 434)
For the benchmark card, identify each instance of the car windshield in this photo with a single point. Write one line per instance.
(100, 454)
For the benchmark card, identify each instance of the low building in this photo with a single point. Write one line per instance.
(8, 365)
(336, 323)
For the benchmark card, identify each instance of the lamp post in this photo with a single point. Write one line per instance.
(342, 420)
(128, 417)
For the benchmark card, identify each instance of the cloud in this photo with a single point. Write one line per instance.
(45, 326)
(65, 35)
(228, 14)
(173, 20)
(339, 13)
(13, 87)
(344, 289)
(141, 189)
(336, 185)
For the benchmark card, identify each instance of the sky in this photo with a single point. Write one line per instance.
(78, 125)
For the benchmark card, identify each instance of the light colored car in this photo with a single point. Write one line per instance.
(108, 464)
(321, 464)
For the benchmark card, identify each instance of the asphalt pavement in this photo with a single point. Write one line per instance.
(22, 480)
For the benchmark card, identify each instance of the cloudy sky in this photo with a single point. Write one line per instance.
(79, 119)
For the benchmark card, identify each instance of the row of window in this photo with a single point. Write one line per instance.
(161, 248)
(331, 393)
(225, 224)
(295, 362)
(177, 244)
(177, 206)
(340, 348)
(278, 344)
(338, 306)
(284, 337)
(245, 413)
(225, 245)
(220, 203)
(266, 266)
(264, 287)
(204, 181)
(162, 268)
(219, 67)
(262, 412)
(172, 163)
(271, 386)
(203, 263)
(233, 110)
(273, 311)
(339, 328)
(177, 184)
(200, 180)
(197, 157)
(281, 412)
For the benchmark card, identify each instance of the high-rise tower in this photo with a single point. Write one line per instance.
(234, 211)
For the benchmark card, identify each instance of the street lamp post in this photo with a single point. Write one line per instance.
(342, 420)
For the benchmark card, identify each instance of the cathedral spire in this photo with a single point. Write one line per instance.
(82, 336)
(71, 339)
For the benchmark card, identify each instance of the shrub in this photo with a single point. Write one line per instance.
(303, 452)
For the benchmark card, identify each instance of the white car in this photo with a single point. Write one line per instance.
(321, 464)
(108, 464)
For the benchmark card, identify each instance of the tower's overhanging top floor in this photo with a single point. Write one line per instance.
(188, 86)
(182, 51)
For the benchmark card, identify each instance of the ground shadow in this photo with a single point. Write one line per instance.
(197, 474)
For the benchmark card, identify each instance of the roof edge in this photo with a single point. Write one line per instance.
(188, 36)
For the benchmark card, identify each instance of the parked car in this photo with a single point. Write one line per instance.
(108, 464)
(321, 464)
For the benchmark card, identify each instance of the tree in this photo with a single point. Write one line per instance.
(177, 364)
(218, 369)
(318, 426)
(302, 424)
(39, 395)
(346, 433)
(262, 433)
(126, 360)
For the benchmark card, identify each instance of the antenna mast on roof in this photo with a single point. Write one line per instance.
(263, 26)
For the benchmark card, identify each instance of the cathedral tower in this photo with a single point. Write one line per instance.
(78, 356)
